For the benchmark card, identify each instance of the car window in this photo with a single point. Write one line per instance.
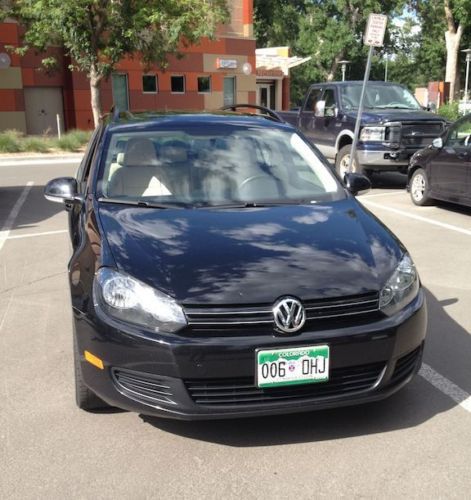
(330, 102)
(378, 96)
(311, 102)
(84, 167)
(215, 165)
(460, 135)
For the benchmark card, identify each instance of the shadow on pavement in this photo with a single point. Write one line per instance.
(36, 208)
(415, 404)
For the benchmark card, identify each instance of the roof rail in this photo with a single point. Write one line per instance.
(269, 113)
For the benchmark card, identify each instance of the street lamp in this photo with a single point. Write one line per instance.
(468, 60)
(344, 68)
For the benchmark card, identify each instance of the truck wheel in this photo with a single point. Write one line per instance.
(419, 188)
(84, 397)
(342, 161)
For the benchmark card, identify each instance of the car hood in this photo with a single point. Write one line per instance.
(252, 255)
(395, 115)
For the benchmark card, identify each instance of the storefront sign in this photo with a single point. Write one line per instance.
(226, 63)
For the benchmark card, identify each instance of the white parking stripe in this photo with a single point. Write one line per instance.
(419, 218)
(14, 213)
(32, 235)
(389, 193)
(446, 386)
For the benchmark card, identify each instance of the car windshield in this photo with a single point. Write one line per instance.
(221, 165)
(378, 96)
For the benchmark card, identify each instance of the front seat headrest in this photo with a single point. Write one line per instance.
(140, 153)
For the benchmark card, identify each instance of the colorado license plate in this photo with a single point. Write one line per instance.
(299, 365)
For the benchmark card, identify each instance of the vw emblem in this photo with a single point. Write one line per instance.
(289, 314)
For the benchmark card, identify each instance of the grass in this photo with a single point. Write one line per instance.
(12, 141)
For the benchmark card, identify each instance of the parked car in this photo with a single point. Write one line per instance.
(221, 269)
(393, 125)
(442, 171)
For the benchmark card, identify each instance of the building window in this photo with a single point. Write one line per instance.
(149, 84)
(177, 84)
(204, 84)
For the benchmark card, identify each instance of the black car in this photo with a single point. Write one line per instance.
(221, 269)
(443, 170)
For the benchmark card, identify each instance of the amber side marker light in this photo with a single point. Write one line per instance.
(93, 360)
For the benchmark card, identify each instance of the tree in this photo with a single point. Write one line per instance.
(97, 34)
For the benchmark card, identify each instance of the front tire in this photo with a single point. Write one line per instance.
(420, 189)
(342, 161)
(84, 397)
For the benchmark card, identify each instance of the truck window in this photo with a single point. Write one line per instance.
(312, 100)
(330, 102)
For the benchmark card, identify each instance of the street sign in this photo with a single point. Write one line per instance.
(375, 29)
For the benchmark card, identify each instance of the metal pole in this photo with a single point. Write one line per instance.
(58, 120)
(360, 109)
(344, 67)
(468, 59)
(386, 70)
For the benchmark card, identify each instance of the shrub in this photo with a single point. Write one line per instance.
(10, 141)
(73, 140)
(450, 111)
(40, 145)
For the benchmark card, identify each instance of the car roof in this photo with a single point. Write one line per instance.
(356, 82)
(128, 122)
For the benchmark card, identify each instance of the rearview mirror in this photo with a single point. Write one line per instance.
(319, 110)
(61, 190)
(357, 183)
(437, 143)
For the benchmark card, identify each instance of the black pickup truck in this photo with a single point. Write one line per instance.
(393, 124)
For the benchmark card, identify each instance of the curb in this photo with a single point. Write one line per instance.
(25, 159)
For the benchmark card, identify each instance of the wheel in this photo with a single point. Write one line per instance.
(84, 397)
(342, 161)
(419, 188)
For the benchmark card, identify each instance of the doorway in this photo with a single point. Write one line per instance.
(120, 91)
(229, 90)
(266, 95)
(42, 105)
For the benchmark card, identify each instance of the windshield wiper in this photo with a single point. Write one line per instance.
(395, 107)
(141, 203)
(257, 204)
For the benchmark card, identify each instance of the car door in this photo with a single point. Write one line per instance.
(307, 118)
(450, 167)
(327, 125)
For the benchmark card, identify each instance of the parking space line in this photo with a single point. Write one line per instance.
(451, 227)
(389, 193)
(29, 163)
(32, 235)
(446, 386)
(4, 233)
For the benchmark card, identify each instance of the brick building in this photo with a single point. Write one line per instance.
(211, 74)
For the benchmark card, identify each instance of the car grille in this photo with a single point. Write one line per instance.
(249, 319)
(420, 134)
(405, 366)
(242, 391)
(142, 387)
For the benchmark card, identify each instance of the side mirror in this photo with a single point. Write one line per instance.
(357, 183)
(319, 110)
(62, 190)
(437, 143)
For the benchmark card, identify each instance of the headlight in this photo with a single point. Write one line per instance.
(401, 288)
(131, 301)
(372, 134)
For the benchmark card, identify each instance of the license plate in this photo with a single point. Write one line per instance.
(295, 366)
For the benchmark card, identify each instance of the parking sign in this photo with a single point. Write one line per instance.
(375, 29)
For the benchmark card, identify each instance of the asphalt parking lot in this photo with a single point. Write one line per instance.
(417, 444)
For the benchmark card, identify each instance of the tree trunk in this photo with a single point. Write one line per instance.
(95, 91)
(452, 39)
(452, 50)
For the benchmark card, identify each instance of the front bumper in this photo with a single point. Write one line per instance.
(384, 160)
(204, 378)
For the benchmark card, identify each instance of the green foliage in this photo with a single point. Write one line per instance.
(9, 141)
(13, 141)
(450, 111)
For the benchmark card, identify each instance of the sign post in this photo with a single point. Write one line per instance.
(374, 37)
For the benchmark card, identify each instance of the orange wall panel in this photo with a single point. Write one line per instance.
(247, 11)
(28, 77)
(11, 100)
(9, 33)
